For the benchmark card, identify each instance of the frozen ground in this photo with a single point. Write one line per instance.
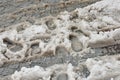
(83, 44)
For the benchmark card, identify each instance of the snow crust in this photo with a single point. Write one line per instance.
(105, 68)
(94, 26)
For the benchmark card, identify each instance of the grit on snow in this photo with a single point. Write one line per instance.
(77, 32)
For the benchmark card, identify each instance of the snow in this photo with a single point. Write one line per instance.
(97, 26)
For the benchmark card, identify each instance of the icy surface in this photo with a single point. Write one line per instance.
(105, 68)
(93, 26)
(80, 32)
